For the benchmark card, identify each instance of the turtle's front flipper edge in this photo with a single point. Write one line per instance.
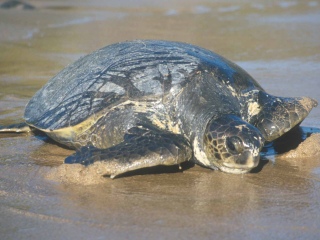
(15, 128)
(141, 148)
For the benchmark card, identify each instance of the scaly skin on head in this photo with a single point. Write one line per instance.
(232, 144)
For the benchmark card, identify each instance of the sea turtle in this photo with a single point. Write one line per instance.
(145, 103)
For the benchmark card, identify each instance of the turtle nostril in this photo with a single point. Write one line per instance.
(234, 145)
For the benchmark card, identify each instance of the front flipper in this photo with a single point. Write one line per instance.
(274, 116)
(141, 148)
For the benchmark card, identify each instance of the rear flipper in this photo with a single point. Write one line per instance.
(15, 128)
(141, 148)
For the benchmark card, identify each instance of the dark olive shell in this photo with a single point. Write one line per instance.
(126, 71)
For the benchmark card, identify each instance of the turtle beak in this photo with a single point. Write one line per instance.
(242, 163)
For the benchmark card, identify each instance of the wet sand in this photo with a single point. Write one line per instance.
(277, 43)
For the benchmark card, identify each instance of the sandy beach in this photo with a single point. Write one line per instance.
(277, 42)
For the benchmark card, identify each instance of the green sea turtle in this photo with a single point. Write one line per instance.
(140, 104)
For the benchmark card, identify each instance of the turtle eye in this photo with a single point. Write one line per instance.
(234, 144)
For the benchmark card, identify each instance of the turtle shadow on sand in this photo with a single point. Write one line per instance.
(289, 141)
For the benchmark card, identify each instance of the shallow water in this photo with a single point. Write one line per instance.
(276, 42)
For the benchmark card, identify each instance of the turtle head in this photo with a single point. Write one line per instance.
(232, 145)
